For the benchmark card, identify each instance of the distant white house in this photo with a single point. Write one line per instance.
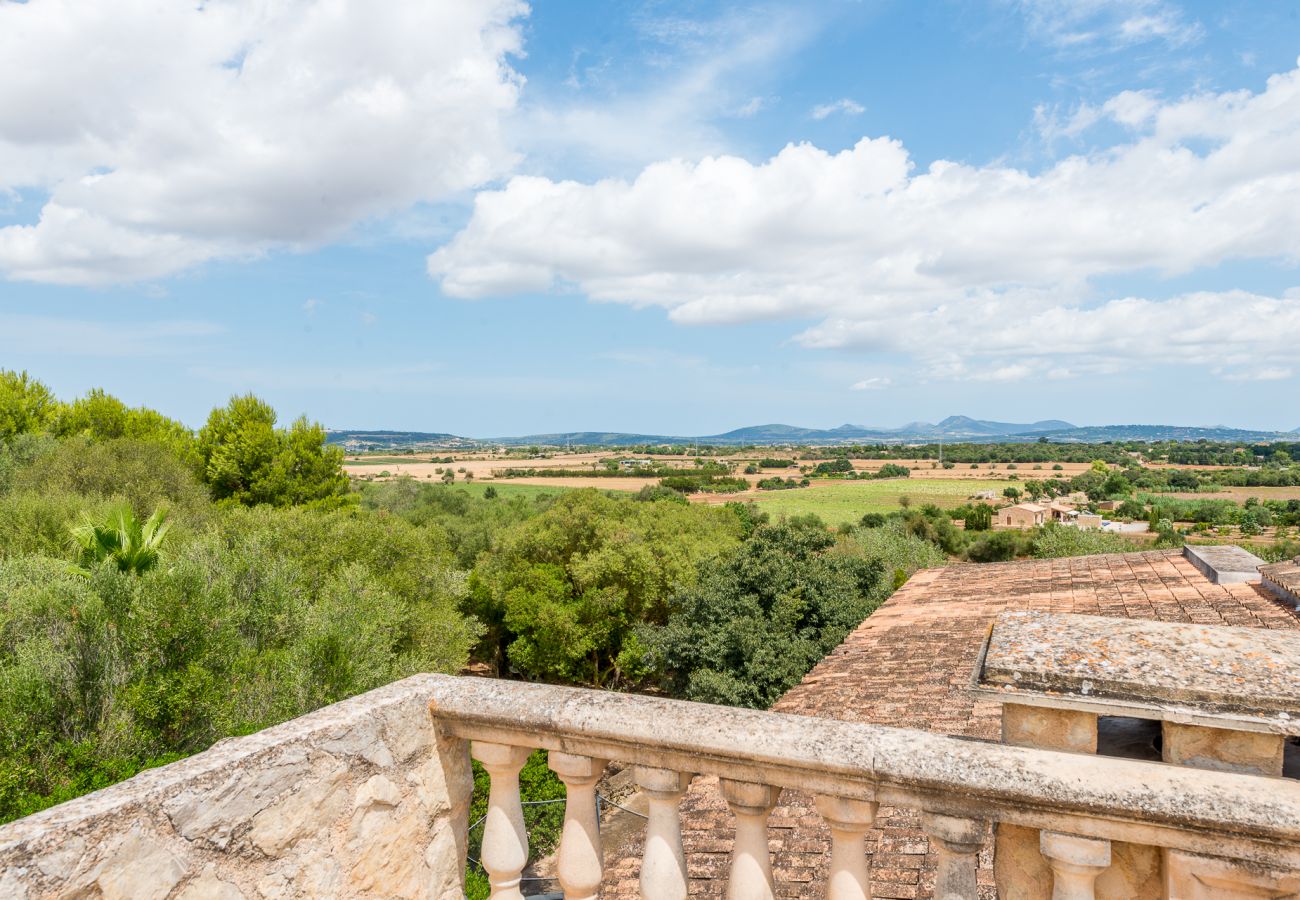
(635, 463)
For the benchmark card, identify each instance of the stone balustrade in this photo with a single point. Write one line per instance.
(1226, 829)
(369, 798)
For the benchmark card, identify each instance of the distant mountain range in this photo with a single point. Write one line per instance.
(953, 428)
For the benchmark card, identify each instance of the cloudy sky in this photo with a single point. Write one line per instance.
(487, 218)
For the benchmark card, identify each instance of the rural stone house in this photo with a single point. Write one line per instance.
(1118, 726)
(1022, 515)
(1060, 511)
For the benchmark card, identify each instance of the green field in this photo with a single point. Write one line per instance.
(508, 490)
(838, 502)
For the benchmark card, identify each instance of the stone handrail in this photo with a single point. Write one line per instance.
(1080, 802)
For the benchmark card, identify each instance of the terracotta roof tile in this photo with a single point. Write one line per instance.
(908, 665)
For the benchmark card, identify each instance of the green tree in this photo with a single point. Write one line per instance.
(26, 405)
(245, 458)
(100, 416)
(563, 592)
(760, 617)
(979, 518)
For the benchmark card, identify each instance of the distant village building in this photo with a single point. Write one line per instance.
(1109, 505)
(635, 463)
(986, 495)
(1022, 515)
(1060, 511)
(1088, 520)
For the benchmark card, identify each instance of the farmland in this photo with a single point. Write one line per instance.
(840, 502)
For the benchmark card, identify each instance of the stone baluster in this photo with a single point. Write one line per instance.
(1076, 862)
(751, 866)
(849, 821)
(580, 865)
(663, 868)
(958, 842)
(505, 841)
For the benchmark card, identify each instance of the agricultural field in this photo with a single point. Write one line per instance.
(1239, 494)
(839, 502)
(507, 489)
(486, 466)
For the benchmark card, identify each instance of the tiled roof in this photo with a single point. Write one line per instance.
(908, 665)
(1285, 575)
(1029, 507)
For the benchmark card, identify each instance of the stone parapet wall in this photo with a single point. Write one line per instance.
(364, 798)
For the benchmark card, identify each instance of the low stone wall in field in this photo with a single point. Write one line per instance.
(360, 799)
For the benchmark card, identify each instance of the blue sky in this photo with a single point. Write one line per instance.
(669, 217)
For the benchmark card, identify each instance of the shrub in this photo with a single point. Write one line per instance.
(995, 546)
(145, 474)
(1057, 540)
(838, 466)
(268, 615)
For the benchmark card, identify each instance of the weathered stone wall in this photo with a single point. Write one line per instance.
(364, 798)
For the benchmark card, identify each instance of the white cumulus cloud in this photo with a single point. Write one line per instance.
(166, 134)
(953, 264)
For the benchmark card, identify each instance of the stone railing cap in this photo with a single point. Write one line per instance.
(1248, 674)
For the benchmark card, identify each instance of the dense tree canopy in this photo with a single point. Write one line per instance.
(26, 405)
(761, 616)
(100, 416)
(563, 592)
(247, 459)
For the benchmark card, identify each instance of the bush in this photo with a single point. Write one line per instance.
(997, 546)
(694, 484)
(265, 616)
(777, 483)
(838, 466)
(652, 492)
(898, 552)
(145, 474)
(1058, 540)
